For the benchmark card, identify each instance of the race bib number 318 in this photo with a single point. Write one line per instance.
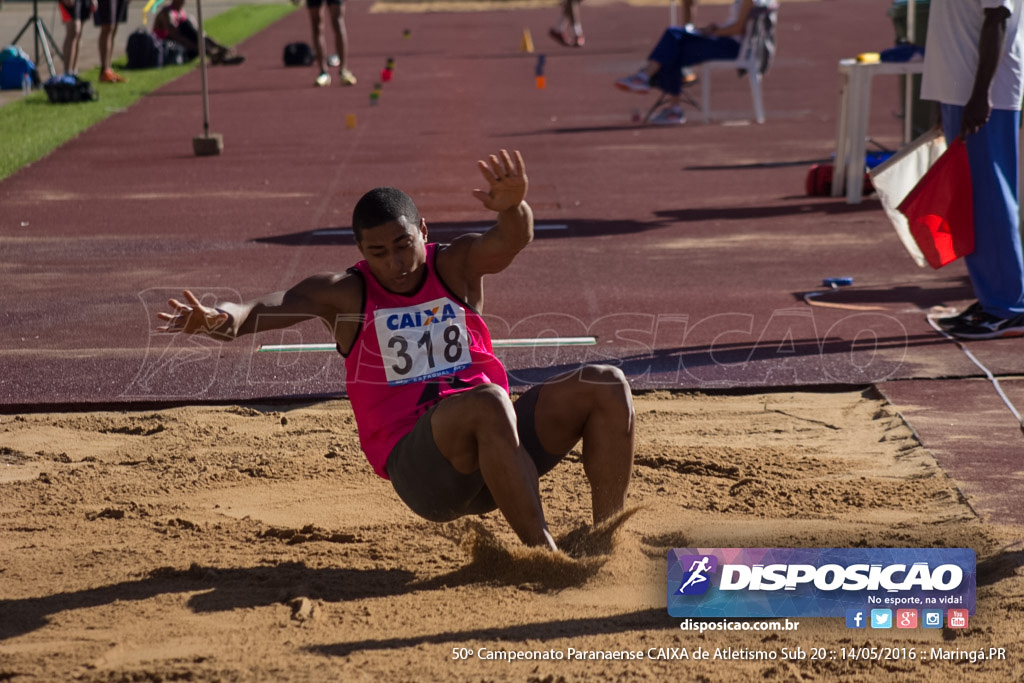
(422, 341)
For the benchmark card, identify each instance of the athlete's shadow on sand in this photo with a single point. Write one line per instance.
(1004, 565)
(647, 619)
(217, 590)
(224, 590)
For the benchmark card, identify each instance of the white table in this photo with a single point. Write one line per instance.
(854, 110)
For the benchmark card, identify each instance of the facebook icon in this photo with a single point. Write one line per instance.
(856, 618)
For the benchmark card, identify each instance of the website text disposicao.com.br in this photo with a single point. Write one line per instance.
(702, 625)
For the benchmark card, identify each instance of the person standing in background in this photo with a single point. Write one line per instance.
(108, 14)
(336, 15)
(73, 13)
(974, 69)
(569, 29)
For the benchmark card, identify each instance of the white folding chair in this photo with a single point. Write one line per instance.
(756, 52)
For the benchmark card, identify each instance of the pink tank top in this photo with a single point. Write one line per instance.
(412, 351)
(176, 17)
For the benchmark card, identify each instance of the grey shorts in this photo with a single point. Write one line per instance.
(435, 490)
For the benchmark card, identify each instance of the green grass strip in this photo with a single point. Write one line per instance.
(32, 127)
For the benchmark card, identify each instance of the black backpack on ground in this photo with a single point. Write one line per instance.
(298, 54)
(174, 53)
(65, 89)
(145, 51)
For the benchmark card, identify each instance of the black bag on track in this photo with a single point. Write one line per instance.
(298, 54)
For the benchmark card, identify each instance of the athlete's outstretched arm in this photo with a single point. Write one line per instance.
(323, 296)
(192, 317)
(507, 184)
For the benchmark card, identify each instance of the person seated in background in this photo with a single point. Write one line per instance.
(173, 23)
(680, 47)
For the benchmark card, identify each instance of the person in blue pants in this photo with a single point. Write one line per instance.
(973, 68)
(682, 46)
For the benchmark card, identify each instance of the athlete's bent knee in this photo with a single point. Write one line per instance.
(486, 404)
(605, 375)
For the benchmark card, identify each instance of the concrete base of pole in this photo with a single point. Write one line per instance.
(209, 145)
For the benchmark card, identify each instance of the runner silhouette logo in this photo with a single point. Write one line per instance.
(697, 578)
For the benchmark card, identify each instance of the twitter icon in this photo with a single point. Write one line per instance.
(881, 618)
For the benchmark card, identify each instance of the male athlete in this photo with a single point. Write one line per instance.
(430, 399)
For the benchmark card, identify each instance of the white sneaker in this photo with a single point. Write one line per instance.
(346, 77)
(323, 80)
(638, 83)
(669, 116)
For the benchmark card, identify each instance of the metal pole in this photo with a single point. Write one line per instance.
(908, 101)
(202, 68)
(35, 19)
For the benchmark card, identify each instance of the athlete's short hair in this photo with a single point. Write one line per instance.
(382, 205)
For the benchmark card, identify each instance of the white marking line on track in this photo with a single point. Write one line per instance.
(496, 343)
(347, 232)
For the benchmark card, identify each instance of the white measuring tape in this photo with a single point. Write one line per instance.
(991, 378)
(496, 343)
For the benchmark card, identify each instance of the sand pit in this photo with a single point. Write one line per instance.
(255, 544)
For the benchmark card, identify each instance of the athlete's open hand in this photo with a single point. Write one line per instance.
(191, 317)
(506, 178)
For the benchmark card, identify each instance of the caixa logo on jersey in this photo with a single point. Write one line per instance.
(406, 318)
(816, 582)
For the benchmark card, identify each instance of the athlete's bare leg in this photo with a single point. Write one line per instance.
(593, 403)
(476, 430)
(337, 15)
(316, 25)
(72, 40)
(106, 45)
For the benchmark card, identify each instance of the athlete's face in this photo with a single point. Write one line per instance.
(396, 253)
